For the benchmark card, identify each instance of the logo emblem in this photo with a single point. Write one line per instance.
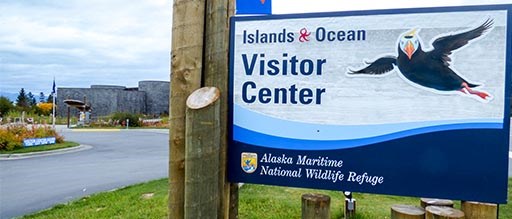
(249, 162)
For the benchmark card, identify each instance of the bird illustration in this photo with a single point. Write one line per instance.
(430, 69)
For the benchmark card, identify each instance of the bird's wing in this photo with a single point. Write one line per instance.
(378, 67)
(444, 46)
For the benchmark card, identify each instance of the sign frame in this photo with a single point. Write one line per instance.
(489, 184)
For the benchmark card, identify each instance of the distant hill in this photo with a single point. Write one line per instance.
(11, 96)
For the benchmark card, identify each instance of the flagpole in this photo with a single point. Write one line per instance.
(53, 111)
(53, 104)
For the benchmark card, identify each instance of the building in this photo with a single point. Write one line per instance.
(150, 98)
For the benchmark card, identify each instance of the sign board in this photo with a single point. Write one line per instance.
(29, 142)
(411, 102)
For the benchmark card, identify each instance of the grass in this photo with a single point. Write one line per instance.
(66, 144)
(256, 201)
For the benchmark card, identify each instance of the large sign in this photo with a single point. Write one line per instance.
(412, 102)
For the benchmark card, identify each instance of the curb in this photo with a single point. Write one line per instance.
(44, 153)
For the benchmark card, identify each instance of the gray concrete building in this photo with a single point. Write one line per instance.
(149, 98)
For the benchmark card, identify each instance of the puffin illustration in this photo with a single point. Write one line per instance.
(430, 69)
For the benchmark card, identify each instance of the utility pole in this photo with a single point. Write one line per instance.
(186, 69)
(216, 72)
(199, 57)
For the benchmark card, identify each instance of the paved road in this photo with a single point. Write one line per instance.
(117, 159)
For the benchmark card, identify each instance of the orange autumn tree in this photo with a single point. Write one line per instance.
(45, 108)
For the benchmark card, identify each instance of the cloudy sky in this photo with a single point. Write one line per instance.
(84, 42)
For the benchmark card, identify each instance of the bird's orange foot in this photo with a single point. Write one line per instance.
(467, 90)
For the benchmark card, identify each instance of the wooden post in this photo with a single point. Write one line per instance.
(216, 67)
(316, 206)
(436, 202)
(479, 210)
(202, 154)
(441, 212)
(407, 212)
(186, 67)
(69, 112)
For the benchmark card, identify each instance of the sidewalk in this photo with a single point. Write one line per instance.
(44, 153)
(64, 128)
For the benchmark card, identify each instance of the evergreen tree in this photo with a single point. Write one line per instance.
(22, 100)
(31, 99)
(50, 98)
(42, 98)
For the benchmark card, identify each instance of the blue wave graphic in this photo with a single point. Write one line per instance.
(271, 126)
(259, 139)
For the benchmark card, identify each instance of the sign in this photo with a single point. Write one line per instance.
(254, 7)
(411, 102)
(28, 142)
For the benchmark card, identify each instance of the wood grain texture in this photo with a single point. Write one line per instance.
(407, 212)
(216, 71)
(479, 210)
(316, 206)
(435, 201)
(186, 68)
(202, 155)
(441, 212)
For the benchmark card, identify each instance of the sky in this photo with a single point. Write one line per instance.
(117, 42)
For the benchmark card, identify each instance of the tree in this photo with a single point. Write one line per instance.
(50, 98)
(42, 98)
(22, 100)
(31, 99)
(5, 105)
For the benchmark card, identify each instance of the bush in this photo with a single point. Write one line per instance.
(121, 117)
(11, 137)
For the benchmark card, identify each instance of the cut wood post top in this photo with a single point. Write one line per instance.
(203, 97)
(444, 212)
(435, 201)
(479, 203)
(408, 209)
(316, 197)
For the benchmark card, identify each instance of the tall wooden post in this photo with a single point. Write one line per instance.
(216, 73)
(69, 115)
(202, 154)
(186, 68)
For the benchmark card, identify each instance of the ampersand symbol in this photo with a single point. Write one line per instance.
(304, 34)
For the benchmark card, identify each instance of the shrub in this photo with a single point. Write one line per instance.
(11, 136)
(9, 140)
(120, 118)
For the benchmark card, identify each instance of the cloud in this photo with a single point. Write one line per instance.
(83, 43)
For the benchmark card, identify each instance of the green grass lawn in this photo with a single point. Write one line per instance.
(256, 201)
(66, 144)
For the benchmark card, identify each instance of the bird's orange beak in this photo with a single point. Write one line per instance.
(409, 49)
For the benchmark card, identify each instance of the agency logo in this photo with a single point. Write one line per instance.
(249, 162)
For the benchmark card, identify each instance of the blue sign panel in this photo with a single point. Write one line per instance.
(254, 7)
(29, 142)
(411, 102)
